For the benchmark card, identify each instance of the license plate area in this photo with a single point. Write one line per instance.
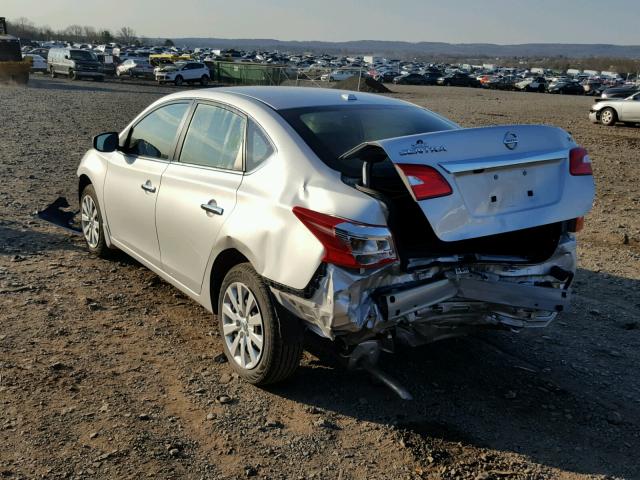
(494, 191)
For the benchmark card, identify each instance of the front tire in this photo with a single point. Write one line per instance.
(204, 80)
(53, 73)
(92, 223)
(608, 117)
(262, 341)
(73, 75)
(178, 80)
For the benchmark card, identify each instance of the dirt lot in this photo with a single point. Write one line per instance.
(108, 372)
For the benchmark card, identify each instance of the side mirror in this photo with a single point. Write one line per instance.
(106, 142)
(66, 57)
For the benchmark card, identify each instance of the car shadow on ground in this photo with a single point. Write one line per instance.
(555, 395)
(16, 239)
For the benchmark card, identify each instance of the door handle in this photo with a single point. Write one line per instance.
(211, 207)
(148, 187)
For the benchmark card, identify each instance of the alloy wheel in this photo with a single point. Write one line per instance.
(90, 222)
(242, 325)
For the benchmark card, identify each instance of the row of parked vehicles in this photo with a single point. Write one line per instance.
(557, 85)
(76, 63)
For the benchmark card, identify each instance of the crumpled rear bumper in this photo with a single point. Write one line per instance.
(446, 295)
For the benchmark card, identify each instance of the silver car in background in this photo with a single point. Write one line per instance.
(614, 110)
(362, 218)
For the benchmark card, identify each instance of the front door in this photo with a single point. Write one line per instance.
(133, 180)
(199, 192)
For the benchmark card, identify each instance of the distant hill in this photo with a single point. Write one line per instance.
(434, 49)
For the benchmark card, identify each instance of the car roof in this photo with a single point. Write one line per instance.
(281, 98)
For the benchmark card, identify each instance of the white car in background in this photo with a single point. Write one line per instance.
(338, 75)
(365, 219)
(181, 72)
(38, 64)
(609, 112)
(135, 67)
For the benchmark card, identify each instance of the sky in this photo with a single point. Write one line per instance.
(453, 21)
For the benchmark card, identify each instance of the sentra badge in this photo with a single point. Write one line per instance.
(420, 147)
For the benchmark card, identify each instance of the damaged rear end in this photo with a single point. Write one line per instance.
(479, 234)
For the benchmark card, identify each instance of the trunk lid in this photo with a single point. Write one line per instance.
(503, 178)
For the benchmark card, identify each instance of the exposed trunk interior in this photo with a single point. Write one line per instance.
(415, 238)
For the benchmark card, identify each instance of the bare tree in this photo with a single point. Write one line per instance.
(74, 32)
(127, 35)
(89, 33)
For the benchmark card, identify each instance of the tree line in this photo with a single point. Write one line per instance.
(24, 29)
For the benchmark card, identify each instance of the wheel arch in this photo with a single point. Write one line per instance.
(83, 181)
(225, 261)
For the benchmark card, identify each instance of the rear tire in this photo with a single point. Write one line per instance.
(261, 340)
(608, 117)
(53, 73)
(73, 75)
(204, 80)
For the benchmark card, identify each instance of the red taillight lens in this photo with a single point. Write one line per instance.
(426, 182)
(576, 225)
(347, 243)
(579, 162)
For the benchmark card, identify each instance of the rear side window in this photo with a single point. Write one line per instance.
(214, 138)
(154, 135)
(259, 147)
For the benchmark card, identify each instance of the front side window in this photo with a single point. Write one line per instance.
(214, 138)
(154, 135)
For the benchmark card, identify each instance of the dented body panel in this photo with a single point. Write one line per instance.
(491, 294)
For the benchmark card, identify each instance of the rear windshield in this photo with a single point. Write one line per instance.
(334, 130)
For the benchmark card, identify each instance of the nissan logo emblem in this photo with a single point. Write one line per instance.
(510, 140)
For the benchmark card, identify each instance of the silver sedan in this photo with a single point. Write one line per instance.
(362, 218)
(609, 112)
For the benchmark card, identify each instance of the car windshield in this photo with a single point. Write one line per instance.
(332, 131)
(83, 55)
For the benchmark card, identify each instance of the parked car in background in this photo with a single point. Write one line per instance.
(500, 83)
(135, 68)
(619, 92)
(108, 63)
(43, 52)
(358, 217)
(181, 72)
(410, 79)
(458, 79)
(431, 78)
(74, 63)
(338, 75)
(609, 112)
(532, 84)
(386, 77)
(38, 64)
(566, 87)
(593, 87)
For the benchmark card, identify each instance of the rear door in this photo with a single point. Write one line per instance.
(502, 178)
(132, 182)
(199, 191)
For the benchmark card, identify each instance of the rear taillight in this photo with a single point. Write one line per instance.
(576, 225)
(425, 182)
(579, 162)
(347, 243)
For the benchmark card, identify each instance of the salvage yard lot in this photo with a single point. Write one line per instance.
(108, 372)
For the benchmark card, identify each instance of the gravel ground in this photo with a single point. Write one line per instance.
(108, 372)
